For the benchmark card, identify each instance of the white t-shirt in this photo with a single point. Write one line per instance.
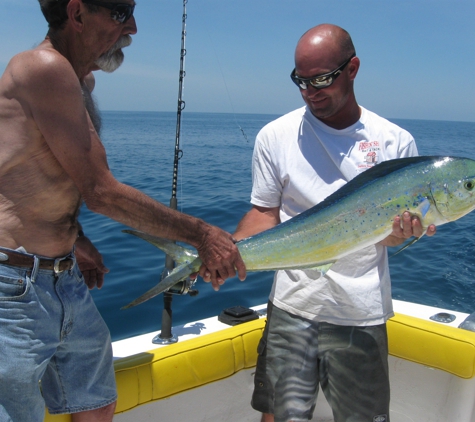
(298, 161)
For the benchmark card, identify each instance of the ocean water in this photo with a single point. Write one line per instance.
(214, 184)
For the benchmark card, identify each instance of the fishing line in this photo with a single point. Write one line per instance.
(226, 86)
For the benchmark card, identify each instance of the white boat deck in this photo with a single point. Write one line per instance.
(141, 343)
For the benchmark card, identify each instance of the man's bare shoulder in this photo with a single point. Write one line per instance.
(46, 90)
(38, 69)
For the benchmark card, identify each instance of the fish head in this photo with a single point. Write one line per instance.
(453, 188)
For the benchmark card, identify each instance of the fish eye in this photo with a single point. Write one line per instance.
(469, 185)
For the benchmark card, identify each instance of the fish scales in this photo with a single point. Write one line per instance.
(361, 213)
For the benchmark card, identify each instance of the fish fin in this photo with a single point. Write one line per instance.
(178, 253)
(424, 207)
(323, 268)
(178, 274)
(406, 246)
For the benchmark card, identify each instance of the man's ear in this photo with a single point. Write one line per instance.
(354, 66)
(75, 11)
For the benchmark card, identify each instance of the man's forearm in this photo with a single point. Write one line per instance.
(257, 220)
(135, 209)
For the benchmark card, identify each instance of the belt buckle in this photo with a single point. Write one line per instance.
(56, 269)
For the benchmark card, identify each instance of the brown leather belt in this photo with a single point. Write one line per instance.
(18, 259)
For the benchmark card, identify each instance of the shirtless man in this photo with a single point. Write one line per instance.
(52, 159)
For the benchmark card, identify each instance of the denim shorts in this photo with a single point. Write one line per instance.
(55, 347)
(296, 356)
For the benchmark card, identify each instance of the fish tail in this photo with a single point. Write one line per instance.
(178, 253)
(187, 261)
(178, 274)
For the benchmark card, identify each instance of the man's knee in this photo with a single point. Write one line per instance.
(267, 417)
(103, 414)
(107, 411)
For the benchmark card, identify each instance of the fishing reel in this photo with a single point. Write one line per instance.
(182, 287)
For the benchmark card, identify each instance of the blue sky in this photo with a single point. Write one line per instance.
(417, 56)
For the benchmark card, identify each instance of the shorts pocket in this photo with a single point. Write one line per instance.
(77, 274)
(262, 346)
(12, 287)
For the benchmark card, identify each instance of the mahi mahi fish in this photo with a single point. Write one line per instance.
(438, 190)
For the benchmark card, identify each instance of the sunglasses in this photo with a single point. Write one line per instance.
(120, 12)
(319, 81)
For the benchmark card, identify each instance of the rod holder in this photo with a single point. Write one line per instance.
(166, 336)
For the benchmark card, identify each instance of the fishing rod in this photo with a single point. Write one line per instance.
(184, 287)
